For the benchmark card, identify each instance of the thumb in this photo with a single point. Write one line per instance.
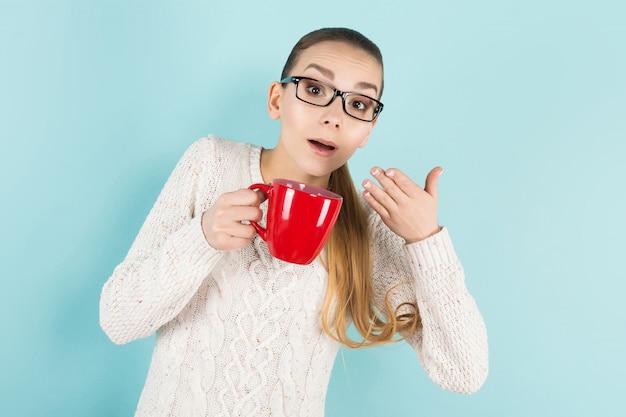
(432, 181)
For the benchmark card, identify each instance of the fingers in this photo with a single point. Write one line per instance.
(239, 214)
(409, 210)
(244, 197)
(432, 181)
(262, 196)
(376, 198)
(399, 186)
(394, 185)
(397, 191)
(226, 224)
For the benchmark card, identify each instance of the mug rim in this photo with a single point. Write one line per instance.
(307, 188)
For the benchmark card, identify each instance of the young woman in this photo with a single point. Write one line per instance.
(240, 333)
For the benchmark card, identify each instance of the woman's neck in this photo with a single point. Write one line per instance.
(276, 165)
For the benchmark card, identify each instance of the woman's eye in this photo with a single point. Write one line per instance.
(361, 105)
(315, 89)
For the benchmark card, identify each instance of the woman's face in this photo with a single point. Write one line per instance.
(318, 140)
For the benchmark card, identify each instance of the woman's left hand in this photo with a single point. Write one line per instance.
(408, 209)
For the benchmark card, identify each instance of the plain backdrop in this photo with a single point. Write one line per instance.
(523, 102)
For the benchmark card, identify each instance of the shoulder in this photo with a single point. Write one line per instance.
(216, 145)
(215, 151)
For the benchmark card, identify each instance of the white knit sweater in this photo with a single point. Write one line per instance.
(238, 332)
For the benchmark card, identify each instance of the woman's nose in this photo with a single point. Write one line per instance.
(333, 114)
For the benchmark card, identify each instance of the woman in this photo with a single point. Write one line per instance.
(242, 333)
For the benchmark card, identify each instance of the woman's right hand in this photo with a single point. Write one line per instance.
(223, 224)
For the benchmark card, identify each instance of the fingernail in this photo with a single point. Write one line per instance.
(367, 184)
(390, 173)
(376, 172)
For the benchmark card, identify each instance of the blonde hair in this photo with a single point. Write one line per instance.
(349, 258)
(349, 277)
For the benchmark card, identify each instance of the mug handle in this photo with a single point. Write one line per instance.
(266, 189)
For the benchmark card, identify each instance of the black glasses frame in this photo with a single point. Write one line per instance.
(336, 93)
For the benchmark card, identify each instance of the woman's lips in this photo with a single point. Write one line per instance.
(322, 147)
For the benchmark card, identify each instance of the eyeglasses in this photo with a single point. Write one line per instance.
(319, 93)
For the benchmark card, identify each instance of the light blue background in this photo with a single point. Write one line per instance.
(523, 102)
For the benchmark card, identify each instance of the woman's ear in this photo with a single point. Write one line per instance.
(274, 100)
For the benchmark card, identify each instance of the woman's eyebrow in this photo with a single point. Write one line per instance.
(325, 71)
(331, 75)
(364, 85)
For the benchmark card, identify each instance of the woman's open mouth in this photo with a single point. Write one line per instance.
(324, 148)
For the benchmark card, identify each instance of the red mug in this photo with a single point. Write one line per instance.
(299, 219)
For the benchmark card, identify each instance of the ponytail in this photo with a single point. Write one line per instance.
(349, 277)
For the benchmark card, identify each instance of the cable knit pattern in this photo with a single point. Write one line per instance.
(239, 332)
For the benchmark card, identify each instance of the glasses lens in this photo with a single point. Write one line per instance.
(356, 105)
(314, 92)
(361, 107)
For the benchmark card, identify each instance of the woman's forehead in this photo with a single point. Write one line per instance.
(333, 59)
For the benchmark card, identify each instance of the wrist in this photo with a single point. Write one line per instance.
(424, 236)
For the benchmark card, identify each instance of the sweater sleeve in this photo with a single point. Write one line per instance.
(166, 263)
(453, 346)
(451, 341)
